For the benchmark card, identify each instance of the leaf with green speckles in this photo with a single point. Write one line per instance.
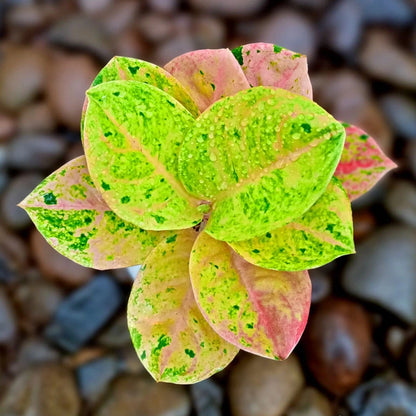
(322, 234)
(273, 66)
(258, 310)
(132, 136)
(265, 155)
(74, 219)
(208, 75)
(171, 337)
(362, 163)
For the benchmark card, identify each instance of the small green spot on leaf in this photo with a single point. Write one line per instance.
(306, 127)
(238, 53)
(105, 186)
(277, 49)
(189, 352)
(49, 198)
(171, 239)
(213, 86)
(125, 199)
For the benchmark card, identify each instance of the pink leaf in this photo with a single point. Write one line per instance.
(362, 162)
(273, 66)
(208, 75)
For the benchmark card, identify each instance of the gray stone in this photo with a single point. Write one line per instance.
(117, 335)
(209, 32)
(383, 271)
(36, 118)
(35, 151)
(46, 390)
(385, 60)
(18, 188)
(207, 398)
(235, 8)
(164, 6)
(321, 284)
(401, 113)
(95, 376)
(173, 47)
(393, 12)
(401, 201)
(81, 315)
(8, 324)
(261, 387)
(291, 30)
(341, 27)
(311, 403)
(155, 27)
(136, 395)
(381, 397)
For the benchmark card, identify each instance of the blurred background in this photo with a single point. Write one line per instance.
(64, 345)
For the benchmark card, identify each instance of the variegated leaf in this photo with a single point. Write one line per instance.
(208, 75)
(265, 155)
(322, 234)
(173, 340)
(271, 65)
(258, 310)
(74, 219)
(362, 162)
(132, 136)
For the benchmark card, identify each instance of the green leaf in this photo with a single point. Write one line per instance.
(265, 155)
(74, 219)
(362, 162)
(208, 75)
(132, 136)
(258, 310)
(273, 66)
(171, 337)
(322, 234)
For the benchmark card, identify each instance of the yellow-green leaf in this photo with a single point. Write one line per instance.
(132, 136)
(173, 340)
(322, 234)
(265, 155)
(70, 213)
(258, 310)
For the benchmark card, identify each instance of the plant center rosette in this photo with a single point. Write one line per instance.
(226, 182)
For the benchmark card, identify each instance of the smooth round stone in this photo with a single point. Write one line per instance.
(164, 6)
(22, 76)
(364, 224)
(209, 32)
(8, 126)
(8, 323)
(173, 47)
(117, 335)
(18, 188)
(391, 12)
(137, 395)
(69, 78)
(235, 8)
(47, 390)
(261, 387)
(93, 7)
(55, 266)
(383, 271)
(36, 118)
(321, 285)
(311, 403)
(395, 340)
(156, 27)
(337, 344)
(401, 201)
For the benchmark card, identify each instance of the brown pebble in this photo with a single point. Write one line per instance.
(7, 127)
(36, 118)
(337, 344)
(69, 77)
(55, 266)
(364, 223)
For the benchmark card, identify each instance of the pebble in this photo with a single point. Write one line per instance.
(93, 7)
(321, 284)
(129, 43)
(385, 60)
(207, 398)
(35, 151)
(81, 33)
(411, 362)
(395, 340)
(401, 113)
(95, 376)
(172, 48)
(55, 266)
(337, 344)
(209, 32)
(38, 301)
(392, 12)
(84, 312)
(8, 126)
(291, 30)
(120, 16)
(47, 390)
(261, 387)
(310, 4)
(163, 6)
(14, 250)
(70, 76)
(341, 27)
(311, 403)
(134, 395)
(8, 325)
(401, 201)
(129, 362)
(18, 188)
(234, 9)
(117, 334)
(411, 156)
(156, 27)
(36, 118)
(380, 397)
(383, 271)
(364, 224)
(22, 77)
(34, 351)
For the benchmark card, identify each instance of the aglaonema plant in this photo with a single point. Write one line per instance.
(226, 182)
